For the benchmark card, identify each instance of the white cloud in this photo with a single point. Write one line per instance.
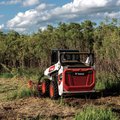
(112, 14)
(23, 2)
(43, 28)
(23, 19)
(106, 14)
(79, 5)
(41, 6)
(10, 2)
(22, 30)
(1, 15)
(1, 26)
(45, 14)
(118, 2)
(28, 18)
(14, 1)
(30, 2)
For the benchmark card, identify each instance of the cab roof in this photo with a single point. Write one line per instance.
(64, 50)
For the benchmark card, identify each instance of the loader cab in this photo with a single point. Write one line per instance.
(72, 57)
(61, 55)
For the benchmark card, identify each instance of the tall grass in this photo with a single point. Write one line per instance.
(93, 113)
(15, 88)
(32, 73)
(19, 77)
(20, 92)
(107, 81)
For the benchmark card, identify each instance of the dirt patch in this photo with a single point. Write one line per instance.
(105, 101)
(34, 107)
(47, 109)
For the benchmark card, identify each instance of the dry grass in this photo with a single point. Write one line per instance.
(13, 88)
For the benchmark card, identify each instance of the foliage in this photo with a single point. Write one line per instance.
(6, 75)
(107, 81)
(24, 92)
(93, 113)
(15, 88)
(30, 51)
(19, 52)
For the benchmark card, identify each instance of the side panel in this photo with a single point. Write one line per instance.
(60, 81)
(51, 70)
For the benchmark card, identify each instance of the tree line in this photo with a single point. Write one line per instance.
(33, 50)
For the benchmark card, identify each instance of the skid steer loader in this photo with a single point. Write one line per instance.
(71, 71)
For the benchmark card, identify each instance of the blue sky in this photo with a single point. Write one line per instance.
(28, 16)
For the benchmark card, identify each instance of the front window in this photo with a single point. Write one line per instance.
(70, 58)
(76, 58)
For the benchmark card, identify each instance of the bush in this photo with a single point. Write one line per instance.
(32, 73)
(107, 81)
(21, 93)
(6, 75)
(25, 92)
(93, 113)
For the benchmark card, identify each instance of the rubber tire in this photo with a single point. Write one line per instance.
(45, 87)
(53, 90)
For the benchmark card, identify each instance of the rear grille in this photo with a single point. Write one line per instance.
(85, 79)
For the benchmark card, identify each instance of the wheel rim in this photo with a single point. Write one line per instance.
(43, 87)
(51, 91)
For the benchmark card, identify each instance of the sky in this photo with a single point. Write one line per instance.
(27, 16)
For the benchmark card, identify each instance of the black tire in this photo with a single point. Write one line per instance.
(53, 90)
(45, 87)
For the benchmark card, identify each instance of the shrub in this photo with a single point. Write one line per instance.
(24, 92)
(107, 81)
(6, 75)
